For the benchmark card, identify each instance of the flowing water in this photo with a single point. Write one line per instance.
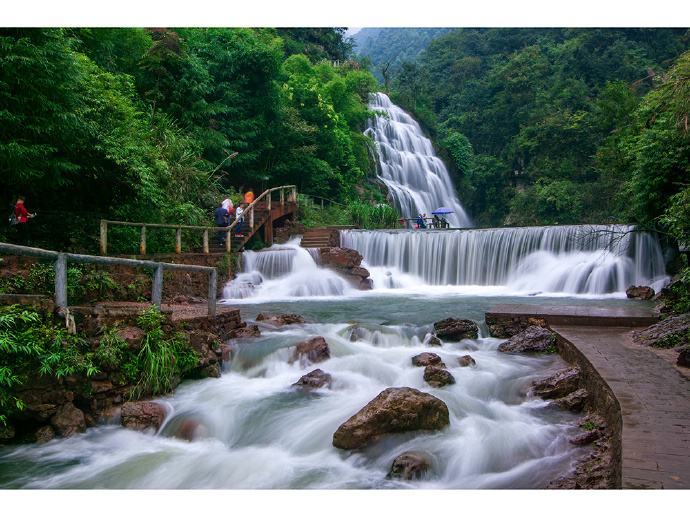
(258, 432)
(417, 180)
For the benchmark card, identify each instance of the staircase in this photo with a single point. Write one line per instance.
(320, 238)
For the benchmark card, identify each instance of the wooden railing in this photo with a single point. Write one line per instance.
(62, 259)
(248, 215)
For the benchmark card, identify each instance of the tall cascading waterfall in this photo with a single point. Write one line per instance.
(580, 259)
(417, 180)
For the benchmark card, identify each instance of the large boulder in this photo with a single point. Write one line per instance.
(68, 420)
(640, 292)
(44, 434)
(437, 377)
(395, 410)
(142, 415)
(283, 319)
(345, 258)
(313, 380)
(410, 465)
(534, 339)
(557, 385)
(346, 262)
(314, 350)
(424, 359)
(455, 329)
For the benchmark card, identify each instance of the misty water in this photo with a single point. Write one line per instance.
(258, 432)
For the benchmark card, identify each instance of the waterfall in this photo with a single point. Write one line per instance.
(588, 259)
(284, 272)
(417, 180)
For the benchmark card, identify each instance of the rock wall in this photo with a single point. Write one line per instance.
(346, 262)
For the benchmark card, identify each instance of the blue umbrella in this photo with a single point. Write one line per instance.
(443, 210)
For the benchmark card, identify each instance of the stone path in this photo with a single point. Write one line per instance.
(655, 404)
(577, 315)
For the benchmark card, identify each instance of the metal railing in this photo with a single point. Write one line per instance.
(62, 259)
(248, 214)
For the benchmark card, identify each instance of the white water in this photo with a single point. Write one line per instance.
(417, 180)
(284, 272)
(576, 259)
(256, 432)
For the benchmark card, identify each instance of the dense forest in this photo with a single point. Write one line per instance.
(386, 49)
(138, 124)
(548, 126)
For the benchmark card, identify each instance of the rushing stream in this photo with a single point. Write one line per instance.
(258, 432)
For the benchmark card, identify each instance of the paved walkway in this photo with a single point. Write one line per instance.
(577, 315)
(655, 405)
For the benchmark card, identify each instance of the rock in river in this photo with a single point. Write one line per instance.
(314, 350)
(455, 329)
(467, 361)
(411, 465)
(558, 385)
(394, 410)
(280, 320)
(437, 377)
(424, 359)
(142, 415)
(534, 339)
(313, 380)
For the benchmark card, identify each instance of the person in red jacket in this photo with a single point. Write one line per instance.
(22, 216)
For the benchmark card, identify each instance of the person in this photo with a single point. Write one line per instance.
(221, 220)
(249, 196)
(227, 204)
(240, 220)
(21, 220)
(420, 221)
(436, 223)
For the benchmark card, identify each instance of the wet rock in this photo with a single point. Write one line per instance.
(142, 415)
(99, 387)
(68, 420)
(132, 335)
(283, 319)
(394, 410)
(225, 353)
(314, 350)
(432, 341)
(640, 292)
(409, 466)
(241, 333)
(340, 257)
(585, 438)
(438, 377)
(346, 262)
(534, 339)
(455, 329)
(466, 361)
(205, 344)
(575, 401)
(313, 380)
(357, 333)
(505, 326)
(44, 434)
(558, 385)
(670, 332)
(189, 430)
(424, 359)
(684, 357)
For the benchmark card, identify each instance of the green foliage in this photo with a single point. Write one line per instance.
(161, 361)
(589, 426)
(554, 113)
(31, 345)
(380, 215)
(138, 124)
